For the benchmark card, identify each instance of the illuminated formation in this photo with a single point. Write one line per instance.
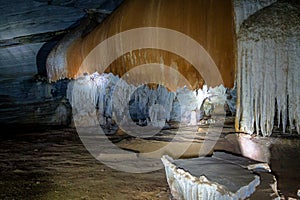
(210, 23)
(268, 70)
(107, 98)
(207, 89)
(267, 53)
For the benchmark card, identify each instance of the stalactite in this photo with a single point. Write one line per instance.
(268, 69)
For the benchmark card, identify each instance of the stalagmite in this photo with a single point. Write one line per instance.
(268, 70)
(193, 118)
(111, 98)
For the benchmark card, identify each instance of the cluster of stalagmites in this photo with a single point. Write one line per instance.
(113, 100)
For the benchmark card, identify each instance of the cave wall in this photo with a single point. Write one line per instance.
(28, 31)
(210, 23)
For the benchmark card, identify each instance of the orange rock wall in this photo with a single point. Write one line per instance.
(209, 22)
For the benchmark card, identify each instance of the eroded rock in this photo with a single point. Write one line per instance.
(221, 176)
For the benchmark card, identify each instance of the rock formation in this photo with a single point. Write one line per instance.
(268, 70)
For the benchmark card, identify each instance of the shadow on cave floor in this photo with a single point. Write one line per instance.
(54, 164)
(285, 164)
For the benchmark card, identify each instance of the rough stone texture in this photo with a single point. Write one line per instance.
(20, 18)
(243, 161)
(54, 164)
(281, 152)
(256, 148)
(31, 102)
(268, 70)
(210, 23)
(267, 189)
(245, 8)
(187, 178)
(208, 178)
(28, 30)
(107, 97)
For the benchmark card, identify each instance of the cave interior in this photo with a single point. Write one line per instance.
(156, 99)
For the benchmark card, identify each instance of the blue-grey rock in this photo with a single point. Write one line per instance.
(28, 31)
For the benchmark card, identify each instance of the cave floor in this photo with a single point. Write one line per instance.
(54, 164)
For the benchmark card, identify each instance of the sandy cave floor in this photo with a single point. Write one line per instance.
(54, 164)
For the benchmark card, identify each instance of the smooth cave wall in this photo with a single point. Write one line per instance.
(209, 22)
